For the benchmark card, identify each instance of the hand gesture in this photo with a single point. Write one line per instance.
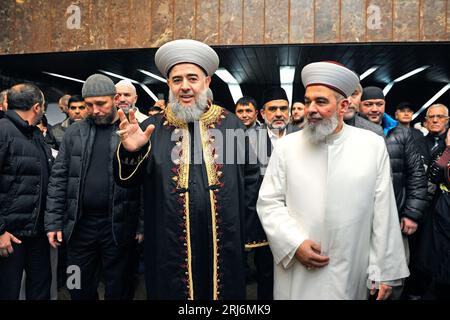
(6, 240)
(131, 135)
(308, 254)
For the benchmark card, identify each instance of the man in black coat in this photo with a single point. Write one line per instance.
(409, 180)
(198, 183)
(97, 219)
(25, 163)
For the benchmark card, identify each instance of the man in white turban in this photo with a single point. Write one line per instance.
(327, 203)
(197, 191)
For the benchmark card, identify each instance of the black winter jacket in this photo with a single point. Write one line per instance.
(64, 203)
(410, 183)
(21, 175)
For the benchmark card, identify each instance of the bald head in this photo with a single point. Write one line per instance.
(63, 102)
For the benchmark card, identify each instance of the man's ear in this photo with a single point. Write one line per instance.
(396, 115)
(36, 107)
(208, 81)
(263, 113)
(343, 106)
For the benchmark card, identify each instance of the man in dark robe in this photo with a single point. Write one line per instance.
(193, 160)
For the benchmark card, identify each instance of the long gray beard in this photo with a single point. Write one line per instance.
(319, 132)
(189, 113)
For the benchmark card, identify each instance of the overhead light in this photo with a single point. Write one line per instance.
(410, 74)
(287, 74)
(149, 92)
(403, 77)
(115, 75)
(233, 84)
(63, 76)
(143, 86)
(433, 99)
(367, 73)
(154, 76)
(388, 88)
(226, 76)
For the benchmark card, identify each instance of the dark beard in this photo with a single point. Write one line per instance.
(297, 122)
(104, 120)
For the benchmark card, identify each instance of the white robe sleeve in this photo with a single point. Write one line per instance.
(282, 230)
(387, 260)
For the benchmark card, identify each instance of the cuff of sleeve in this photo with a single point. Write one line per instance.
(2, 227)
(133, 158)
(289, 260)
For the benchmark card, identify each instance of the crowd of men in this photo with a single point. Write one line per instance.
(332, 198)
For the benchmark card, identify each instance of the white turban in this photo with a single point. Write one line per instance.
(332, 75)
(186, 51)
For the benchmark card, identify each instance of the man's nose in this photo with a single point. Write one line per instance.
(185, 85)
(278, 112)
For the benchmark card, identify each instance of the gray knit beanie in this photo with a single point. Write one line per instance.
(98, 85)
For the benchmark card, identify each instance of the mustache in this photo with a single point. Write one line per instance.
(314, 117)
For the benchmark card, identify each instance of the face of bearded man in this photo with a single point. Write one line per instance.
(192, 112)
(322, 113)
(102, 109)
(188, 86)
(321, 128)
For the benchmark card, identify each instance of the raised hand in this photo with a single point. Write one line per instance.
(131, 135)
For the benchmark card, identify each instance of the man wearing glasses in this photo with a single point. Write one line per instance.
(410, 184)
(436, 122)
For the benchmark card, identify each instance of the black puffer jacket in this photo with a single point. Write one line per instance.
(410, 183)
(64, 203)
(21, 175)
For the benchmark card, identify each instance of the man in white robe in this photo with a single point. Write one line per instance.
(327, 202)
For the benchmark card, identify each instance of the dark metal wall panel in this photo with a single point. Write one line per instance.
(327, 22)
(31, 26)
(253, 24)
(140, 24)
(353, 22)
(119, 32)
(184, 27)
(301, 21)
(7, 30)
(23, 28)
(162, 22)
(379, 20)
(230, 22)
(406, 20)
(100, 22)
(276, 27)
(433, 24)
(207, 25)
